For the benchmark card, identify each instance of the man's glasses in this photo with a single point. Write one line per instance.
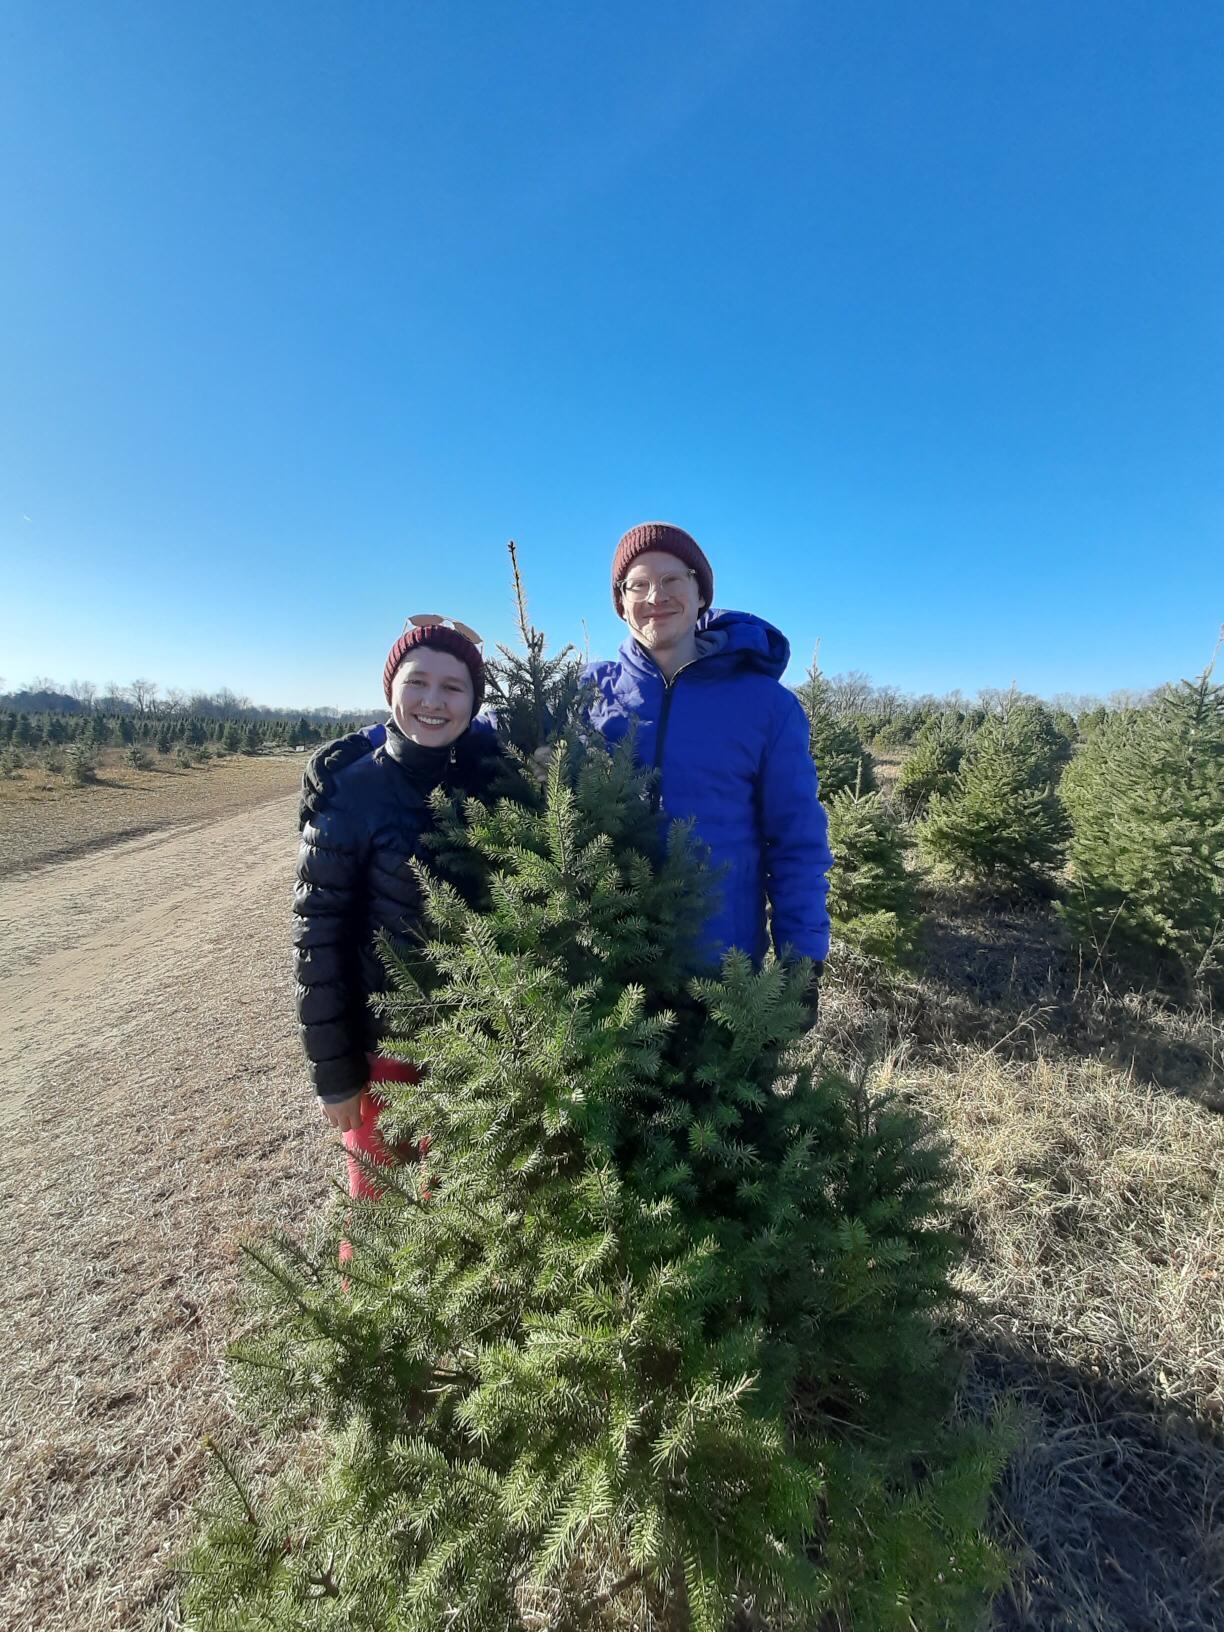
(670, 587)
(431, 620)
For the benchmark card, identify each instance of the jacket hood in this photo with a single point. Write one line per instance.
(726, 641)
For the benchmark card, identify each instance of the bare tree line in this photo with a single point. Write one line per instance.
(145, 699)
(855, 693)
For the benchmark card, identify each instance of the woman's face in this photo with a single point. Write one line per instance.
(431, 697)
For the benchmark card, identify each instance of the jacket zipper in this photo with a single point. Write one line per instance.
(661, 733)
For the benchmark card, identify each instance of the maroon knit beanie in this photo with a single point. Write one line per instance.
(660, 535)
(441, 639)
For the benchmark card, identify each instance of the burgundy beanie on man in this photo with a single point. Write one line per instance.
(441, 639)
(660, 535)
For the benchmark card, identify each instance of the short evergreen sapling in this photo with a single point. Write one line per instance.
(663, 1335)
(873, 896)
(1146, 799)
(932, 766)
(1001, 824)
(837, 749)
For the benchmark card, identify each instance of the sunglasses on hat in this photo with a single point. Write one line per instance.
(431, 620)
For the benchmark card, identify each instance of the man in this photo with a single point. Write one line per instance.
(702, 690)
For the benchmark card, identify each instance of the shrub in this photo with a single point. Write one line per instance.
(1146, 799)
(1001, 824)
(873, 898)
(182, 758)
(138, 758)
(82, 766)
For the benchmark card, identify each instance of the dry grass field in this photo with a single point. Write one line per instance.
(44, 818)
(156, 1112)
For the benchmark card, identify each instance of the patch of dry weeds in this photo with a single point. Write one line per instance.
(1092, 1200)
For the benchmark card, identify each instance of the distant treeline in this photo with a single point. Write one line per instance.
(881, 717)
(145, 700)
(49, 728)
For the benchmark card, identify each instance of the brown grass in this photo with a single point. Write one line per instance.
(45, 818)
(1089, 1158)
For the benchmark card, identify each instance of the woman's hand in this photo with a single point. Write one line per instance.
(346, 1114)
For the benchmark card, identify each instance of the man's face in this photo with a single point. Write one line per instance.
(661, 601)
(431, 697)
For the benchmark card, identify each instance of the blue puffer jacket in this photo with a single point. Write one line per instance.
(731, 745)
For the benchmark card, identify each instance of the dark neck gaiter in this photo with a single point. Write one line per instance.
(425, 768)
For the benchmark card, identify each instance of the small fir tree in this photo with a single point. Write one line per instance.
(1146, 799)
(82, 766)
(932, 766)
(873, 897)
(531, 692)
(1001, 824)
(659, 1319)
(837, 749)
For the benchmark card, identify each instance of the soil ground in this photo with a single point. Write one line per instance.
(156, 1113)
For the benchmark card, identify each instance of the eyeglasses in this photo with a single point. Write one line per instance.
(670, 587)
(432, 620)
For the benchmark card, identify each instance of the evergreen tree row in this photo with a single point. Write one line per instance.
(33, 731)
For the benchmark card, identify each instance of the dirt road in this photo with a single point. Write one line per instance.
(155, 1111)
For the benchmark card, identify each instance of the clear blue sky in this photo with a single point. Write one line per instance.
(913, 315)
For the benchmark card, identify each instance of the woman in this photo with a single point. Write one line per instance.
(355, 871)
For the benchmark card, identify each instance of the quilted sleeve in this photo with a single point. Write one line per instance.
(795, 832)
(326, 903)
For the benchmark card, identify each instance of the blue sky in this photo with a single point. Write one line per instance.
(911, 314)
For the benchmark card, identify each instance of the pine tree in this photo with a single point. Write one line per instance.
(531, 692)
(252, 740)
(837, 749)
(932, 766)
(657, 1326)
(1146, 799)
(873, 897)
(1001, 824)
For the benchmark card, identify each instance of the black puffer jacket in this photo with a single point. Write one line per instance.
(355, 879)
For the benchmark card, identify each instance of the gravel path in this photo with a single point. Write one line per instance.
(155, 1112)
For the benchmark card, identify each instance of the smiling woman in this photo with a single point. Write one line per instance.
(356, 877)
(432, 697)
